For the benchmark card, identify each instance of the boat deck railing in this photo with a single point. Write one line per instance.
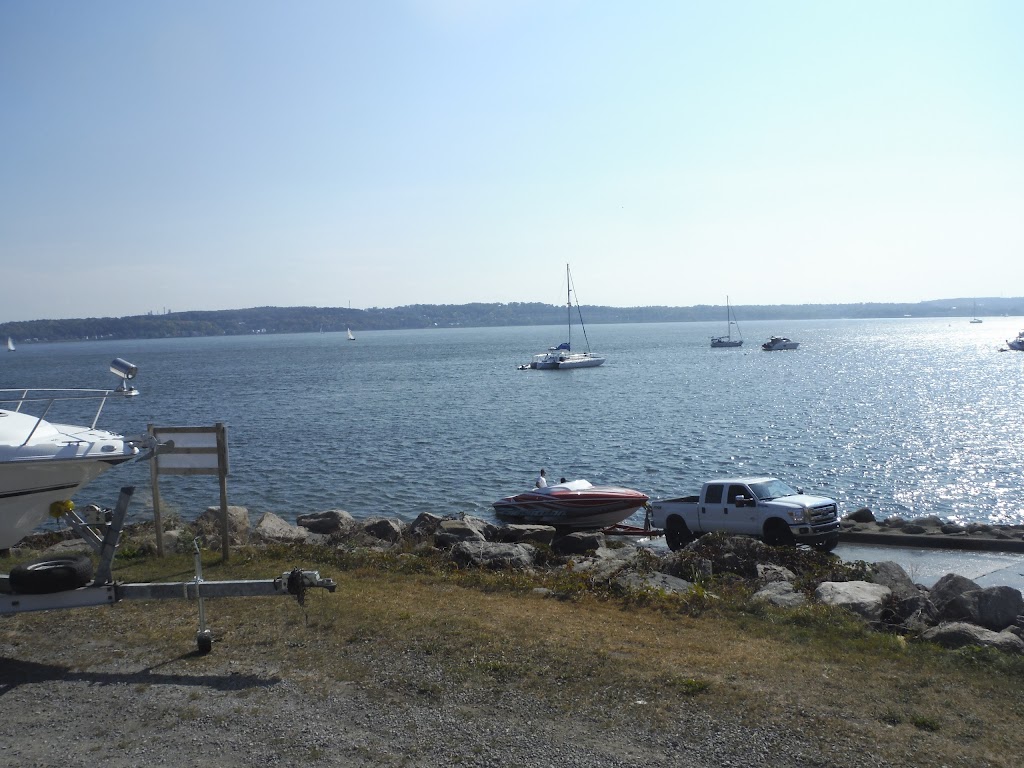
(47, 398)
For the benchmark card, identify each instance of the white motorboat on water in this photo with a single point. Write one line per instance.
(562, 358)
(1017, 345)
(720, 342)
(776, 343)
(574, 504)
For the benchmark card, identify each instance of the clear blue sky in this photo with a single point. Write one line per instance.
(214, 155)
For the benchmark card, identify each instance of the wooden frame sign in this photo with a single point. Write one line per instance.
(190, 451)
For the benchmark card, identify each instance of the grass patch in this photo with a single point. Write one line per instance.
(411, 622)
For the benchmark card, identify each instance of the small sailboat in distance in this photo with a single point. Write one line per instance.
(974, 314)
(10, 344)
(350, 336)
(718, 342)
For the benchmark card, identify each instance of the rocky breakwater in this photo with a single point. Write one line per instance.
(955, 612)
(861, 527)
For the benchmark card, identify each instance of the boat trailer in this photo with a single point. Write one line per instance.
(105, 591)
(647, 530)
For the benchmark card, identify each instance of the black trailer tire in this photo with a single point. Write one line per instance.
(204, 643)
(51, 574)
(677, 534)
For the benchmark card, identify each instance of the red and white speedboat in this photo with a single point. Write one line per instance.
(575, 504)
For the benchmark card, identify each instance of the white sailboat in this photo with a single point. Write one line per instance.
(350, 336)
(562, 357)
(974, 314)
(727, 340)
(10, 344)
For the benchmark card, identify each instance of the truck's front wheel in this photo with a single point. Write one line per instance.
(677, 534)
(827, 545)
(778, 534)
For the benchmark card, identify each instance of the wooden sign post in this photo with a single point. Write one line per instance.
(191, 451)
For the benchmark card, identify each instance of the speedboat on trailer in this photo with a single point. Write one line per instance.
(575, 504)
(44, 463)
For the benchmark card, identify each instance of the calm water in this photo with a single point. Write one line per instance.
(908, 417)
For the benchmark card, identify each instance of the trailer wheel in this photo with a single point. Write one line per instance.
(677, 534)
(778, 534)
(51, 574)
(204, 643)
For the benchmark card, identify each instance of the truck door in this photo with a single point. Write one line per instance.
(719, 512)
(713, 515)
(743, 519)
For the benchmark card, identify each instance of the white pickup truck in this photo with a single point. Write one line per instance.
(756, 506)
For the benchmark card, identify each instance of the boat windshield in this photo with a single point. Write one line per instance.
(772, 489)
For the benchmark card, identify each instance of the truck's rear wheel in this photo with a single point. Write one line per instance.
(677, 534)
(778, 534)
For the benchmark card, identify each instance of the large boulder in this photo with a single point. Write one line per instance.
(238, 523)
(862, 515)
(493, 555)
(780, 593)
(892, 575)
(861, 597)
(947, 589)
(326, 523)
(531, 534)
(657, 582)
(451, 532)
(425, 525)
(578, 542)
(384, 529)
(958, 634)
(606, 562)
(994, 608)
(768, 573)
(271, 528)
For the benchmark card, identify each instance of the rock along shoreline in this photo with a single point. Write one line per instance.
(954, 612)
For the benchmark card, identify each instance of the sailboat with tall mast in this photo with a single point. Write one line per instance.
(718, 342)
(974, 314)
(562, 357)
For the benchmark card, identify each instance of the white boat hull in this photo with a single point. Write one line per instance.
(725, 342)
(566, 361)
(42, 463)
(776, 344)
(27, 491)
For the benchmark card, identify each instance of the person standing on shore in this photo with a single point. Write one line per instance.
(542, 480)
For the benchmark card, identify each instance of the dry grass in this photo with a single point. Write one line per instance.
(400, 624)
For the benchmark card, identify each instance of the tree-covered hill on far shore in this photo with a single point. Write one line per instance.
(234, 322)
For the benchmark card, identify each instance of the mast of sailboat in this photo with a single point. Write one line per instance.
(568, 279)
(568, 304)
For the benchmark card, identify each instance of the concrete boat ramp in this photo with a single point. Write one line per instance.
(926, 565)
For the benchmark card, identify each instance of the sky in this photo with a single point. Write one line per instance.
(186, 155)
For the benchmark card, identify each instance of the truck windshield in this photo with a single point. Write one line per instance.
(771, 489)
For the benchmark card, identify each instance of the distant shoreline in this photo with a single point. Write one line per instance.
(285, 320)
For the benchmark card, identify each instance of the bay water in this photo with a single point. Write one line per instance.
(908, 416)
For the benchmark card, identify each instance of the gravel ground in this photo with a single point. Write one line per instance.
(192, 709)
